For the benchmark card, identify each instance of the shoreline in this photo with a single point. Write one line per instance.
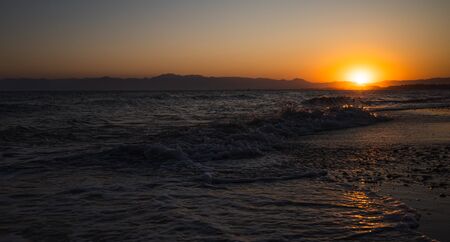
(433, 209)
(405, 158)
(357, 183)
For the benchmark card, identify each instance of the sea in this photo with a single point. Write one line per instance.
(205, 165)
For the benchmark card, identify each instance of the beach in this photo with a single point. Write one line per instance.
(406, 158)
(225, 166)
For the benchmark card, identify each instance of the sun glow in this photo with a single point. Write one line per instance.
(360, 72)
(360, 76)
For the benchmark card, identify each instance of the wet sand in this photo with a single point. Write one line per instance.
(407, 158)
(431, 204)
(237, 185)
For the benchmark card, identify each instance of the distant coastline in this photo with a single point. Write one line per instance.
(418, 87)
(198, 82)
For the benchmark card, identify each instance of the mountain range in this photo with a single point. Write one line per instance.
(193, 82)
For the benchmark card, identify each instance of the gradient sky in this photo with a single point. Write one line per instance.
(313, 39)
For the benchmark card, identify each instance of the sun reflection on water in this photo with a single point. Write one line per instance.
(367, 218)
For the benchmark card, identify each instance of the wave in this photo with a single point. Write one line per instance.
(393, 104)
(333, 101)
(239, 139)
(14, 108)
(33, 135)
(410, 106)
(223, 96)
(412, 100)
(262, 179)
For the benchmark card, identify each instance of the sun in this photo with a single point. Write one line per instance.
(360, 76)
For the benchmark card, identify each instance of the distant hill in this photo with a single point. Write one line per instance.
(198, 82)
(420, 84)
(432, 83)
(162, 82)
(418, 87)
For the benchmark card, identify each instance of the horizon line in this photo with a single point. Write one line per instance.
(205, 76)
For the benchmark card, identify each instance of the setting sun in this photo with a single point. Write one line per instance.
(360, 76)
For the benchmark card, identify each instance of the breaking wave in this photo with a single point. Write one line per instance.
(239, 139)
(211, 166)
(333, 101)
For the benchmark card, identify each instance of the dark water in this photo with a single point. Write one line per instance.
(190, 166)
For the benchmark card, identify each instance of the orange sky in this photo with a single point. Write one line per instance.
(318, 40)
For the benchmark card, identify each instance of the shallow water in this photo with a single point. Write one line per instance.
(208, 166)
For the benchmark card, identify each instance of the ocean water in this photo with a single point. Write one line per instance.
(193, 166)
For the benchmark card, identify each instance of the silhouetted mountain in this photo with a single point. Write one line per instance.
(420, 84)
(419, 87)
(162, 82)
(430, 81)
(197, 82)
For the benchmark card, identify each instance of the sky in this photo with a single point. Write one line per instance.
(318, 40)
